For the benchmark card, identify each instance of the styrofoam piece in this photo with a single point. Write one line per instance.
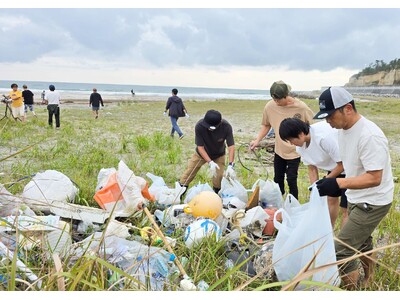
(29, 223)
(80, 212)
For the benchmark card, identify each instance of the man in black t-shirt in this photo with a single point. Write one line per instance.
(28, 100)
(212, 133)
(95, 101)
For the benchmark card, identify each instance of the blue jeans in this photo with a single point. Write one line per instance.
(175, 127)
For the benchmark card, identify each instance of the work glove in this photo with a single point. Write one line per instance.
(187, 115)
(230, 172)
(213, 168)
(165, 113)
(328, 187)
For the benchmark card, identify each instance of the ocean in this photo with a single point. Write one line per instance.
(71, 90)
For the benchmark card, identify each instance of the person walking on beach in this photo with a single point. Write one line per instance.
(366, 160)
(286, 159)
(211, 134)
(95, 101)
(53, 105)
(28, 100)
(17, 105)
(43, 97)
(133, 93)
(318, 147)
(176, 109)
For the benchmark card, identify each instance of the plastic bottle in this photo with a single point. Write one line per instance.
(159, 270)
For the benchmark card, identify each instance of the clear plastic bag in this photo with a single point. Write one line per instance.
(305, 232)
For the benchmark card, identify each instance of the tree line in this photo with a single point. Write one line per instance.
(378, 66)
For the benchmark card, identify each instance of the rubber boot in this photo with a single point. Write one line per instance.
(350, 280)
(368, 263)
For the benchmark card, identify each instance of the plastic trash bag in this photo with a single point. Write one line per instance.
(197, 189)
(48, 187)
(255, 220)
(122, 192)
(233, 188)
(165, 196)
(173, 215)
(103, 177)
(305, 230)
(270, 194)
(131, 187)
(8, 203)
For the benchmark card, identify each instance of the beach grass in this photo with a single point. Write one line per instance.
(139, 134)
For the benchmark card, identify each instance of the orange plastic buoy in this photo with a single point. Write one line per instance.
(269, 229)
(206, 204)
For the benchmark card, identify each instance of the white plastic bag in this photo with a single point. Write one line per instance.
(9, 204)
(304, 231)
(48, 187)
(195, 190)
(233, 188)
(131, 187)
(270, 194)
(255, 220)
(163, 195)
(103, 176)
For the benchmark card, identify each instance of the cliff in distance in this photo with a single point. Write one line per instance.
(382, 78)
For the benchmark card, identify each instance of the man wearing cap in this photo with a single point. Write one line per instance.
(211, 134)
(366, 160)
(53, 101)
(286, 159)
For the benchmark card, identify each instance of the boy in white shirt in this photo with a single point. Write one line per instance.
(318, 147)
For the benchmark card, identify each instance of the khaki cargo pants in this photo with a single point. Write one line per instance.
(194, 166)
(363, 219)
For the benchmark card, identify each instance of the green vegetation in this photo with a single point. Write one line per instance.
(379, 66)
(138, 134)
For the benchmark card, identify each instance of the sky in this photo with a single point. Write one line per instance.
(240, 46)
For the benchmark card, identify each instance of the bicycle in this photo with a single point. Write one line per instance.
(7, 102)
(259, 159)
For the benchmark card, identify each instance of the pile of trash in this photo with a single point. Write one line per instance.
(245, 220)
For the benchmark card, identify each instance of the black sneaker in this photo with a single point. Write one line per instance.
(181, 137)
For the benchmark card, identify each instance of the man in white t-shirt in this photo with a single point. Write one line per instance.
(318, 147)
(53, 105)
(364, 151)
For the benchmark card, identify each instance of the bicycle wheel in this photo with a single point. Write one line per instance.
(258, 160)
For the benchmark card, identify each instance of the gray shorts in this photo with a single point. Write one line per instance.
(94, 108)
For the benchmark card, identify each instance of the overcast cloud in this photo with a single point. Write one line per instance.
(294, 39)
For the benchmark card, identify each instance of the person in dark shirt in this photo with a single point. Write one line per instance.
(28, 100)
(176, 109)
(43, 97)
(94, 102)
(211, 134)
